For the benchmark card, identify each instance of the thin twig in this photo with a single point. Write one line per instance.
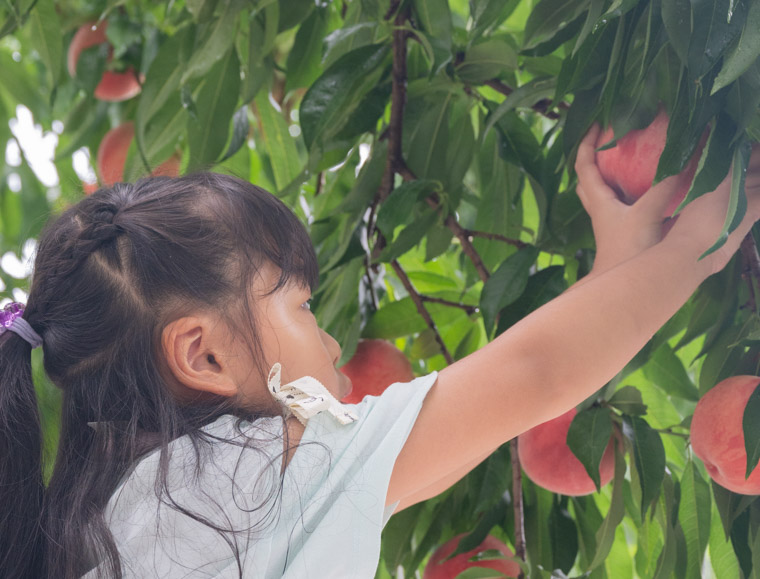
(496, 237)
(418, 301)
(541, 107)
(433, 300)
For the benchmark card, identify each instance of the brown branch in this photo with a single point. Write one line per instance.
(496, 237)
(541, 107)
(418, 301)
(395, 164)
(320, 183)
(398, 101)
(465, 307)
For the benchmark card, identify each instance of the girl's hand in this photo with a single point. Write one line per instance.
(621, 231)
(700, 223)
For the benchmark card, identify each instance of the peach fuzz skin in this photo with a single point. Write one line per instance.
(717, 436)
(549, 462)
(375, 365)
(437, 568)
(630, 166)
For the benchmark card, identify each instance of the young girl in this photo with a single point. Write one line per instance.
(201, 435)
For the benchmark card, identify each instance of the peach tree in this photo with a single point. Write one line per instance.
(428, 146)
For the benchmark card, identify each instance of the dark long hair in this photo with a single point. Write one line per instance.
(109, 274)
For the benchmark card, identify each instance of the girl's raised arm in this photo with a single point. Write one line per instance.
(565, 351)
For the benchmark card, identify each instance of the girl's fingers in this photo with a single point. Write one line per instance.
(658, 197)
(592, 189)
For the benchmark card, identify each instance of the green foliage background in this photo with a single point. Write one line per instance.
(297, 96)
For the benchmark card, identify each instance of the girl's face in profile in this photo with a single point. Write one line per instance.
(289, 335)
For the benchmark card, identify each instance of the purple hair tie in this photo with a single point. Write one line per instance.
(10, 319)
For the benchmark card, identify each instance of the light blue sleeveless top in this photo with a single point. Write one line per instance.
(321, 518)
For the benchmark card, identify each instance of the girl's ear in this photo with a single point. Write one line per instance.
(198, 354)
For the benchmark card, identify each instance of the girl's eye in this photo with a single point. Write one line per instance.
(307, 304)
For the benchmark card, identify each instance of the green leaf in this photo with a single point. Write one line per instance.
(694, 516)
(401, 318)
(280, 145)
(218, 41)
(526, 95)
(751, 430)
(737, 203)
(629, 401)
(715, 161)
(45, 32)
(549, 18)
(332, 98)
(519, 145)
(303, 65)
(161, 84)
(397, 209)
(410, 236)
(744, 53)
(217, 101)
(435, 18)
(487, 60)
(649, 457)
(676, 15)
(722, 555)
(506, 284)
(666, 370)
(588, 437)
(488, 14)
(715, 24)
(605, 536)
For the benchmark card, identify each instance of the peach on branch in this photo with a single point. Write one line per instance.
(375, 365)
(112, 156)
(439, 567)
(717, 434)
(113, 86)
(548, 461)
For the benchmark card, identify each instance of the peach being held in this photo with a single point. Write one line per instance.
(375, 365)
(549, 462)
(717, 434)
(630, 166)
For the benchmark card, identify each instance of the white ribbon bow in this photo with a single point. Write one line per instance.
(307, 397)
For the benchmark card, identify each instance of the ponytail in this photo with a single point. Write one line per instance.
(21, 486)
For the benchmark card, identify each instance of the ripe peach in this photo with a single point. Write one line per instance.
(717, 436)
(112, 156)
(376, 365)
(630, 166)
(113, 86)
(549, 462)
(439, 568)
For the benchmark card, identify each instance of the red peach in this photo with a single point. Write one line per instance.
(717, 435)
(113, 86)
(630, 166)
(112, 156)
(440, 568)
(549, 462)
(375, 365)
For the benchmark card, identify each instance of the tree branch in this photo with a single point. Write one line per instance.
(418, 301)
(496, 237)
(465, 307)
